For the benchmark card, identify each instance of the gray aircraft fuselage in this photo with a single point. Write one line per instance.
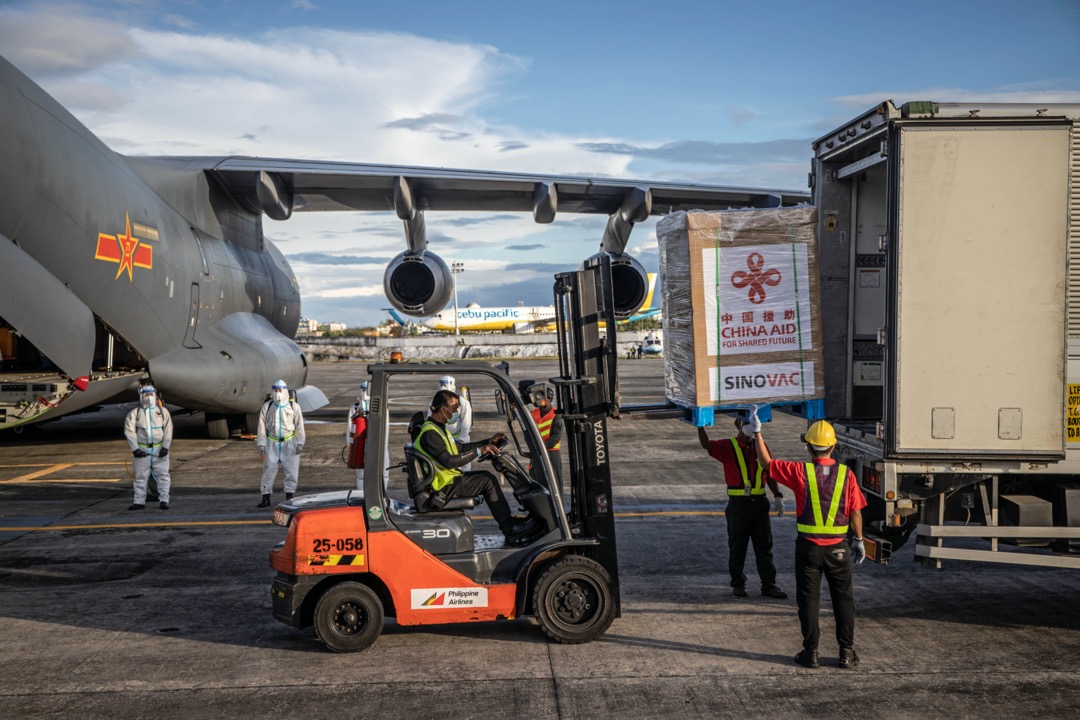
(177, 278)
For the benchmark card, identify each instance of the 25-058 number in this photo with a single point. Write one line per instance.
(340, 544)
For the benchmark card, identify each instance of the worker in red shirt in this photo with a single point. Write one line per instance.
(747, 511)
(827, 502)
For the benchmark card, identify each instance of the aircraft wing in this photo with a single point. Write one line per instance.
(307, 185)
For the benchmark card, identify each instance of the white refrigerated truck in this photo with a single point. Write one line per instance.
(949, 239)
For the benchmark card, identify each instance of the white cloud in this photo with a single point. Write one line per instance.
(347, 292)
(61, 39)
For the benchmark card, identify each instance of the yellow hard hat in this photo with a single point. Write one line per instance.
(820, 434)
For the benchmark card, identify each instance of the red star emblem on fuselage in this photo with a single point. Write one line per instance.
(127, 249)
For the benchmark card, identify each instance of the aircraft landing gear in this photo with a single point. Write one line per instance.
(217, 426)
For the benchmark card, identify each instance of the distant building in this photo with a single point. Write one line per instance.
(308, 328)
(336, 327)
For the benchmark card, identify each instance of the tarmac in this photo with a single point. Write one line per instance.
(166, 614)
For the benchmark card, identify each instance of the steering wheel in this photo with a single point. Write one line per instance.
(503, 442)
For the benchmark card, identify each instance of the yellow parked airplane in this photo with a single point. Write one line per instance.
(474, 318)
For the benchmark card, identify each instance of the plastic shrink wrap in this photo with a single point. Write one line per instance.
(740, 291)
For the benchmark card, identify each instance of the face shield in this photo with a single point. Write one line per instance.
(280, 392)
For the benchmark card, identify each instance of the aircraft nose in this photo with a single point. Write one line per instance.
(18, 152)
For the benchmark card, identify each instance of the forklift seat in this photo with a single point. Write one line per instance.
(421, 472)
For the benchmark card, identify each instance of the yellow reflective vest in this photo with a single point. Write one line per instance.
(443, 476)
(748, 488)
(814, 522)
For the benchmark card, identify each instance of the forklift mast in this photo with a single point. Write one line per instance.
(588, 394)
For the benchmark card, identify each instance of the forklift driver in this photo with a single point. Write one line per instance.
(450, 482)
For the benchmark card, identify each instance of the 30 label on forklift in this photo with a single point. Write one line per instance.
(435, 598)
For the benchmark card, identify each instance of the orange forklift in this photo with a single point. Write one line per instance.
(348, 562)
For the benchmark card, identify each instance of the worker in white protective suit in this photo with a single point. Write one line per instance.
(461, 425)
(149, 432)
(280, 440)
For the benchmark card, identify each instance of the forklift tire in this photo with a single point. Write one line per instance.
(349, 617)
(573, 600)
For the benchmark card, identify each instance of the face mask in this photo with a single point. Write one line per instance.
(454, 418)
(148, 401)
(281, 396)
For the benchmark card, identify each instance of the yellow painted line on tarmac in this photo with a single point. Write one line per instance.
(73, 480)
(114, 526)
(49, 468)
(651, 513)
(197, 523)
(673, 513)
(34, 475)
(109, 462)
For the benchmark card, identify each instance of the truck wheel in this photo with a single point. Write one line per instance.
(349, 617)
(573, 600)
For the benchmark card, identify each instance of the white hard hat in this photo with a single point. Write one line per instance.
(280, 385)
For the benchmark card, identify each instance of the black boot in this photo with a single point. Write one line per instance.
(288, 496)
(265, 500)
(521, 531)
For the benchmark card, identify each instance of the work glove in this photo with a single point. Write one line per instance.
(299, 449)
(139, 453)
(858, 551)
(164, 452)
(778, 506)
(753, 421)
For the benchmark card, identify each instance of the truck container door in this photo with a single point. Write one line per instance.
(978, 259)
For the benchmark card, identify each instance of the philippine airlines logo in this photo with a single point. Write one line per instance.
(756, 279)
(435, 598)
(125, 249)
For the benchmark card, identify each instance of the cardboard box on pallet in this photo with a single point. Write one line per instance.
(740, 294)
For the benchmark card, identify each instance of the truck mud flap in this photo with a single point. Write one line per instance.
(878, 550)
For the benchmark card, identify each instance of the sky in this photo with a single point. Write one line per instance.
(728, 92)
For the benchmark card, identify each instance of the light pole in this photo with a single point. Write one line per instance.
(456, 268)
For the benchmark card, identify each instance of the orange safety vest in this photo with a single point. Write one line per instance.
(544, 424)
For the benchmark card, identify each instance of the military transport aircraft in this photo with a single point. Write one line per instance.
(114, 269)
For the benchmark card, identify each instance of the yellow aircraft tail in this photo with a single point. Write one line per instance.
(647, 305)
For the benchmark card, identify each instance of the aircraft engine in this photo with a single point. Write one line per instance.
(418, 284)
(630, 284)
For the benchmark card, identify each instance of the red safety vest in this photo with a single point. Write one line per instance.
(544, 424)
